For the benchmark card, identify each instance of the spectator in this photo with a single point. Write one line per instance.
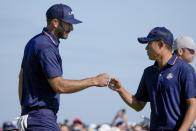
(122, 126)
(145, 122)
(121, 114)
(78, 125)
(139, 127)
(104, 127)
(185, 48)
(9, 126)
(64, 127)
(92, 127)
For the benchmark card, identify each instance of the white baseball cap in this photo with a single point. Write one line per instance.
(184, 42)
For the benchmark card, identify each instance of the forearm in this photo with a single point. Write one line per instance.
(189, 116)
(70, 86)
(130, 99)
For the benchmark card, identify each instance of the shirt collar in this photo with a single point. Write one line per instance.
(171, 61)
(51, 36)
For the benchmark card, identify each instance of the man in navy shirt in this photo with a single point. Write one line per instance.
(40, 79)
(169, 85)
(185, 47)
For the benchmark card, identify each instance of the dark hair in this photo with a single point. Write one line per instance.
(176, 51)
(166, 45)
(48, 21)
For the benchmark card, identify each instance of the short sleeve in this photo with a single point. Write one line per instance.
(50, 62)
(142, 92)
(188, 82)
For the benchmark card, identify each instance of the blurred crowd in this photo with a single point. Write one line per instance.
(119, 123)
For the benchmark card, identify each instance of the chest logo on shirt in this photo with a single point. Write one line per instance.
(170, 76)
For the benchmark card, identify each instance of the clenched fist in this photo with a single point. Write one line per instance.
(114, 84)
(102, 80)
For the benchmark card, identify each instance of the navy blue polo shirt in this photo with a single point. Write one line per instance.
(41, 61)
(167, 90)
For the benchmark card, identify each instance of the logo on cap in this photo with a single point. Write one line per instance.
(62, 12)
(158, 33)
(71, 13)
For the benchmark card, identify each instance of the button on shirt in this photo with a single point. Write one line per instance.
(167, 90)
(41, 61)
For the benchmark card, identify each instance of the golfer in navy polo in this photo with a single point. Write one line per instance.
(169, 85)
(41, 81)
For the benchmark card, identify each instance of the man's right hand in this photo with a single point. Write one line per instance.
(114, 84)
(102, 80)
(127, 97)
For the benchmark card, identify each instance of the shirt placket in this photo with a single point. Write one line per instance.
(160, 80)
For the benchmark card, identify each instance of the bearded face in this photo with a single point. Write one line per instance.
(63, 30)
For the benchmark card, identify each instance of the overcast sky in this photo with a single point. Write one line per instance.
(106, 41)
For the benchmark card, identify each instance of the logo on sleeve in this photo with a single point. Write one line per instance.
(170, 76)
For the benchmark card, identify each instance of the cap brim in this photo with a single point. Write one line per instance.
(72, 21)
(193, 48)
(143, 40)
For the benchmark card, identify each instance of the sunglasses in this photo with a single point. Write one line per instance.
(190, 50)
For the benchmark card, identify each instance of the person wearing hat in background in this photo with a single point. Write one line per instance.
(78, 125)
(185, 48)
(9, 126)
(40, 78)
(169, 85)
(120, 120)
